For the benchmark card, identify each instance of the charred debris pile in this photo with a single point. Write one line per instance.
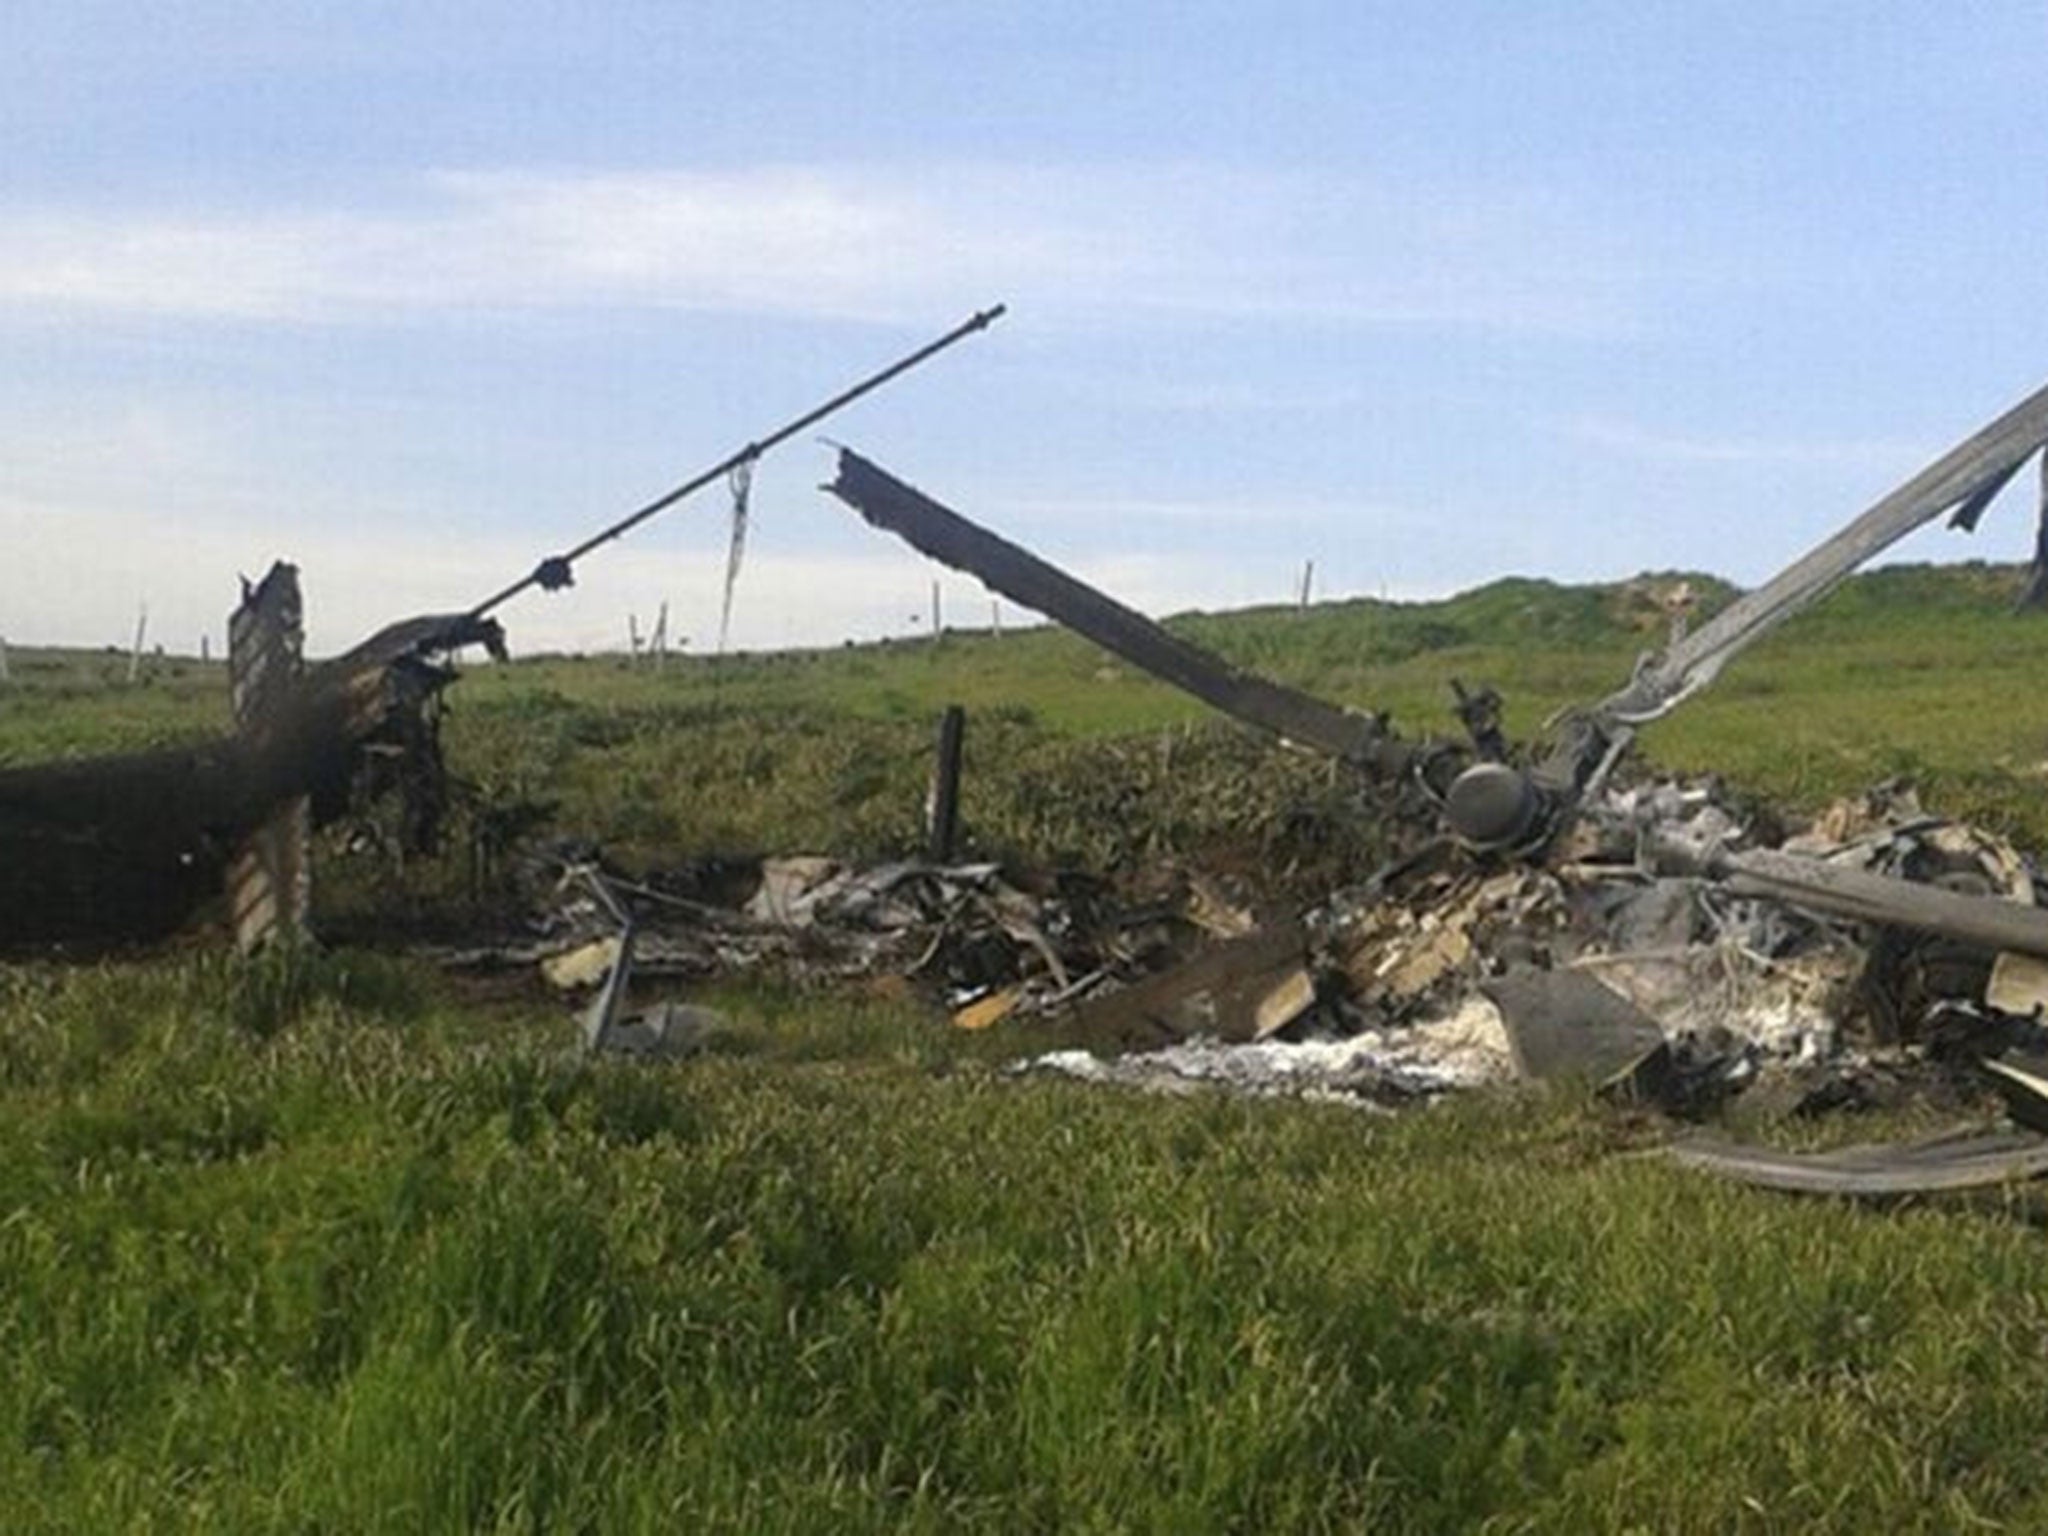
(1615, 958)
(1555, 915)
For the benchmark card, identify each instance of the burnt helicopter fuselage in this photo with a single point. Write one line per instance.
(131, 847)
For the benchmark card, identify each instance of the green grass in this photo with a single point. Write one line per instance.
(362, 1260)
(326, 1244)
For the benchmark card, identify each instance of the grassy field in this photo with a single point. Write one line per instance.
(324, 1243)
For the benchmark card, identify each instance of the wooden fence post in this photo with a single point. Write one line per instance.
(942, 806)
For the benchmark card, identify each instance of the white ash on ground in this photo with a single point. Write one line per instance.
(1375, 1067)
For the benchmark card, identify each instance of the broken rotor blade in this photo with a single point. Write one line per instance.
(1983, 461)
(1874, 1172)
(1021, 576)
(557, 571)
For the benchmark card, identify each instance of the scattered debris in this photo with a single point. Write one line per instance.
(982, 945)
(1666, 990)
(1543, 917)
(1633, 936)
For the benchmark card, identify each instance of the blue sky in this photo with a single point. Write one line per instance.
(1429, 293)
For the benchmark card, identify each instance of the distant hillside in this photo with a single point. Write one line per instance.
(1917, 671)
(1514, 610)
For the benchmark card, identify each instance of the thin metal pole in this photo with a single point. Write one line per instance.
(554, 572)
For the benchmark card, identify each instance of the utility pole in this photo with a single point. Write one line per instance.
(135, 654)
(633, 634)
(1308, 580)
(935, 609)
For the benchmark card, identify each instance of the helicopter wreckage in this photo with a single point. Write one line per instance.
(1502, 848)
(1510, 844)
(1545, 913)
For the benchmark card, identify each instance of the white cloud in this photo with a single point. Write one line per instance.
(870, 243)
(121, 497)
(1639, 442)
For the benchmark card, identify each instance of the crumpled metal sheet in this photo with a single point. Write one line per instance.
(1564, 1024)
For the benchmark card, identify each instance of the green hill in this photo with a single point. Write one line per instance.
(1921, 670)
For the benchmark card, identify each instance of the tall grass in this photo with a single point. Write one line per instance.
(391, 1267)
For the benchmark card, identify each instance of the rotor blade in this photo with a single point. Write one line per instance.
(1021, 576)
(1985, 460)
(556, 570)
